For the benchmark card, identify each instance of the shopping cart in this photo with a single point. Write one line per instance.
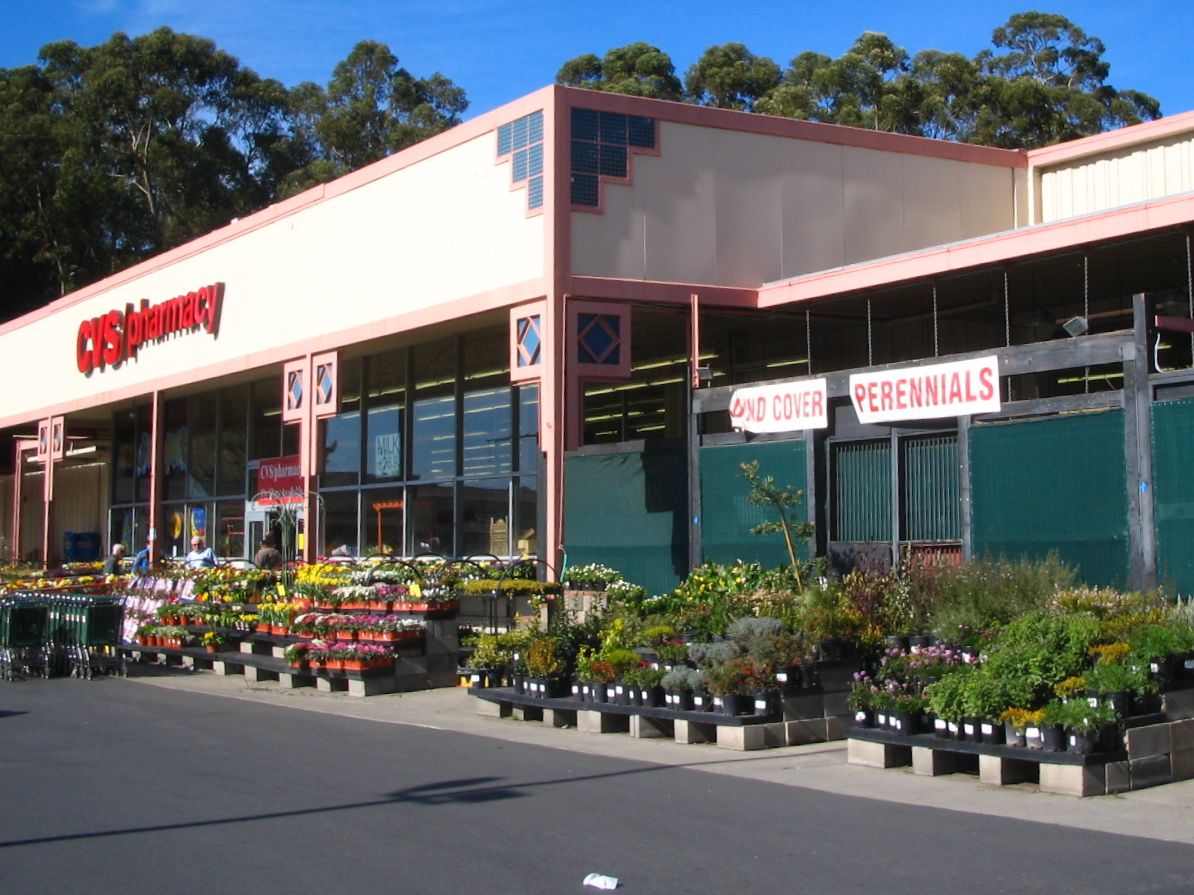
(24, 626)
(85, 635)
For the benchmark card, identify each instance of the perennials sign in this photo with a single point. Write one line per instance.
(958, 388)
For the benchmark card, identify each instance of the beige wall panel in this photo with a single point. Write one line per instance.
(750, 224)
(446, 228)
(813, 213)
(874, 213)
(924, 177)
(742, 209)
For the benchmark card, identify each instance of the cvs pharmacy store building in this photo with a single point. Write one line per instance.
(559, 328)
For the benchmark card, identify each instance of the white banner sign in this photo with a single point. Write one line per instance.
(387, 455)
(783, 407)
(959, 388)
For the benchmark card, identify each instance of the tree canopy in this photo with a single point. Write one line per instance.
(114, 153)
(1044, 80)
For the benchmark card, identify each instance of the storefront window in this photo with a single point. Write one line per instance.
(432, 519)
(434, 442)
(382, 526)
(266, 419)
(201, 425)
(526, 508)
(342, 433)
(234, 408)
(124, 448)
(174, 451)
(528, 428)
(486, 427)
(172, 531)
(339, 512)
(143, 455)
(386, 414)
(485, 517)
(228, 533)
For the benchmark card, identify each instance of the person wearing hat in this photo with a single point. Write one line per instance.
(200, 557)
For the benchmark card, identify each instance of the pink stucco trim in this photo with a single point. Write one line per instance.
(752, 122)
(658, 291)
(328, 341)
(1110, 141)
(462, 133)
(1000, 248)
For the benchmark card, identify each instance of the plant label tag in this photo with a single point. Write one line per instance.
(939, 724)
(987, 730)
(782, 677)
(760, 705)
(897, 723)
(1032, 733)
(860, 717)
(415, 590)
(1093, 702)
(968, 729)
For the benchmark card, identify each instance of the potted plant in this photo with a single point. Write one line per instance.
(1015, 722)
(946, 699)
(544, 668)
(645, 683)
(212, 641)
(1083, 724)
(863, 697)
(678, 686)
(487, 662)
(736, 681)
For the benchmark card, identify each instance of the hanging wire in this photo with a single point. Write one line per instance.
(1007, 315)
(808, 340)
(1190, 292)
(870, 353)
(1086, 311)
(936, 346)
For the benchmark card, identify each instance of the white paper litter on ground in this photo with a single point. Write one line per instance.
(601, 881)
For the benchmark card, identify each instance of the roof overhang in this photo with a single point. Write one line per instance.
(994, 250)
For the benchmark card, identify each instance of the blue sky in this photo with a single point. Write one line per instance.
(502, 49)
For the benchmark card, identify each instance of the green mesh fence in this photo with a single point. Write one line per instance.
(727, 516)
(1173, 494)
(629, 511)
(1053, 485)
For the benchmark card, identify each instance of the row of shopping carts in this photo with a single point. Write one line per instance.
(47, 633)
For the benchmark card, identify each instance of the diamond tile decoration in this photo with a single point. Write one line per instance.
(323, 383)
(294, 390)
(529, 342)
(598, 339)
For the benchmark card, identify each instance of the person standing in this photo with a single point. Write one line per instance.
(200, 557)
(112, 563)
(141, 559)
(267, 556)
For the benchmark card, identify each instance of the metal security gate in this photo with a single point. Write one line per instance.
(880, 510)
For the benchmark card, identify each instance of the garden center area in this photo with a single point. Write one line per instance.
(1013, 662)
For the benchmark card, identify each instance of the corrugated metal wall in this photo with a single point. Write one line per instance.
(1053, 485)
(1173, 494)
(727, 516)
(1110, 181)
(629, 511)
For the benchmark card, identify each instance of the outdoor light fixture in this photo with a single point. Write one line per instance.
(1076, 326)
